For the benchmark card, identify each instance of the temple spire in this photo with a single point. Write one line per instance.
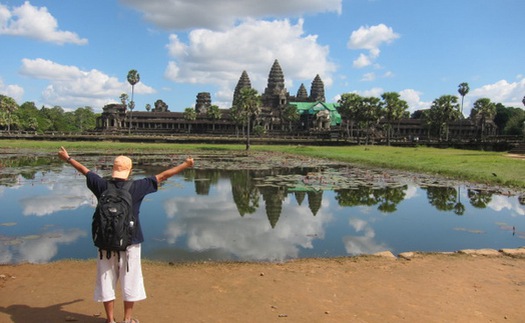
(244, 82)
(275, 93)
(317, 90)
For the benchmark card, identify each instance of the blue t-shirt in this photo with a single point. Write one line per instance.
(138, 190)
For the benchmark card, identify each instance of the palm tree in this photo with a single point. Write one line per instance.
(190, 115)
(249, 103)
(393, 109)
(442, 111)
(463, 90)
(133, 78)
(124, 99)
(9, 105)
(348, 107)
(290, 115)
(214, 113)
(482, 111)
(148, 107)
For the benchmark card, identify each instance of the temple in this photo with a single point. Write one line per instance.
(305, 114)
(313, 111)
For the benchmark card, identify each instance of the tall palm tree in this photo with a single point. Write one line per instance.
(190, 115)
(483, 111)
(393, 109)
(348, 107)
(133, 78)
(444, 110)
(463, 90)
(9, 105)
(249, 103)
(214, 113)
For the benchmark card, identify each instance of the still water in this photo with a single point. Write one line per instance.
(261, 208)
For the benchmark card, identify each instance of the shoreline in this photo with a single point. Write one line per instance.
(466, 286)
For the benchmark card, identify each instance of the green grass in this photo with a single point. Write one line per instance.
(495, 168)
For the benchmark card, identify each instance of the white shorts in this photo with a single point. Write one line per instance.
(128, 269)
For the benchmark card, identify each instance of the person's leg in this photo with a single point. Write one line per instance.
(128, 311)
(109, 307)
(131, 279)
(106, 281)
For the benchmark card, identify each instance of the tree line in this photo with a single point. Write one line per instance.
(360, 113)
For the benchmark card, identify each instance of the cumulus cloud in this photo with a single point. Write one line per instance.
(36, 23)
(251, 46)
(71, 87)
(12, 90)
(370, 39)
(213, 14)
(413, 99)
(504, 92)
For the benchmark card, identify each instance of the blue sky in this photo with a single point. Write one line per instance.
(75, 53)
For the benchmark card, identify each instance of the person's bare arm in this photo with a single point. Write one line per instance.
(62, 154)
(175, 170)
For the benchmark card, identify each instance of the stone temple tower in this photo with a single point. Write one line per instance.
(302, 94)
(275, 95)
(244, 82)
(317, 90)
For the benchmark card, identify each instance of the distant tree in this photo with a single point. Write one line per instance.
(290, 115)
(148, 107)
(249, 103)
(8, 105)
(214, 113)
(124, 97)
(443, 110)
(463, 90)
(349, 104)
(514, 125)
(133, 78)
(368, 115)
(190, 115)
(238, 118)
(507, 118)
(85, 119)
(392, 110)
(483, 111)
(32, 124)
(28, 113)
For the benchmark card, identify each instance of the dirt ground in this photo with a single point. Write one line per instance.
(427, 288)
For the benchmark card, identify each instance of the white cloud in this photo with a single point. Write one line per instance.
(12, 90)
(413, 99)
(36, 23)
(362, 61)
(368, 77)
(72, 87)
(213, 14)
(507, 93)
(374, 92)
(218, 58)
(370, 38)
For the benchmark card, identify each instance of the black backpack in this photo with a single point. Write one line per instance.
(113, 221)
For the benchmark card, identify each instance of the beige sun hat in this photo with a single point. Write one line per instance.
(121, 167)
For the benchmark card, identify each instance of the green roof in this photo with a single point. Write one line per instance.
(314, 107)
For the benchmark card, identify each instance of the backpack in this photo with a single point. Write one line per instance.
(113, 221)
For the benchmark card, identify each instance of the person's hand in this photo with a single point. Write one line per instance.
(190, 162)
(62, 154)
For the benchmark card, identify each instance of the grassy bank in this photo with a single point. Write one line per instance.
(480, 166)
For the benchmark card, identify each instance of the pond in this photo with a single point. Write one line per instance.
(255, 207)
